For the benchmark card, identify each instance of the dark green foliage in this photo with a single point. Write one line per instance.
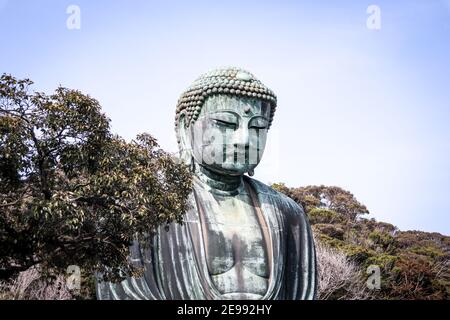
(331, 198)
(413, 264)
(330, 230)
(72, 193)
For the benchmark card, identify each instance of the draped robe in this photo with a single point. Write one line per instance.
(175, 266)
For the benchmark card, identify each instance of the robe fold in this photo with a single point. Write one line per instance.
(175, 266)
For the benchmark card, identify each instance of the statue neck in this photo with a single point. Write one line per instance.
(222, 183)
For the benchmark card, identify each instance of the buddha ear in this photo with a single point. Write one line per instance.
(184, 138)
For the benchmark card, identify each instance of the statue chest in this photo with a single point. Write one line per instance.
(235, 247)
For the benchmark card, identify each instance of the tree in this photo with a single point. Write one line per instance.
(325, 197)
(413, 264)
(71, 192)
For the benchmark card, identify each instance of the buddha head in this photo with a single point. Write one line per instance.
(222, 121)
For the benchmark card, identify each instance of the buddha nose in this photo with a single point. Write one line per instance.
(242, 138)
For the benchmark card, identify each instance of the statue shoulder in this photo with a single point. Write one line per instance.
(280, 198)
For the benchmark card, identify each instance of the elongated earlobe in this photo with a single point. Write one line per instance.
(183, 139)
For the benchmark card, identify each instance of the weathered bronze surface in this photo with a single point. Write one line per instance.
(241, 239)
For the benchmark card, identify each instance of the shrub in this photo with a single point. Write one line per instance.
(329, 230)
(29, 285)
(339, 277)
(319, 215)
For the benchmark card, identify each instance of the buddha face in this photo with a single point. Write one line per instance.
(230, 133)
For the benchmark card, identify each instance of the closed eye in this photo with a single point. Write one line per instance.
(224, 123)
(258, 127)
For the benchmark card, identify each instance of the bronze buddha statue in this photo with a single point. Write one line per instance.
(240, 239)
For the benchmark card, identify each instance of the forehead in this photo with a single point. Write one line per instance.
(240, 105)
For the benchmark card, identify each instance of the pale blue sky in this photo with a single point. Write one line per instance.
(362, 109)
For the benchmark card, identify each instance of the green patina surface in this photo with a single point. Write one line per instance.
(241, 239)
